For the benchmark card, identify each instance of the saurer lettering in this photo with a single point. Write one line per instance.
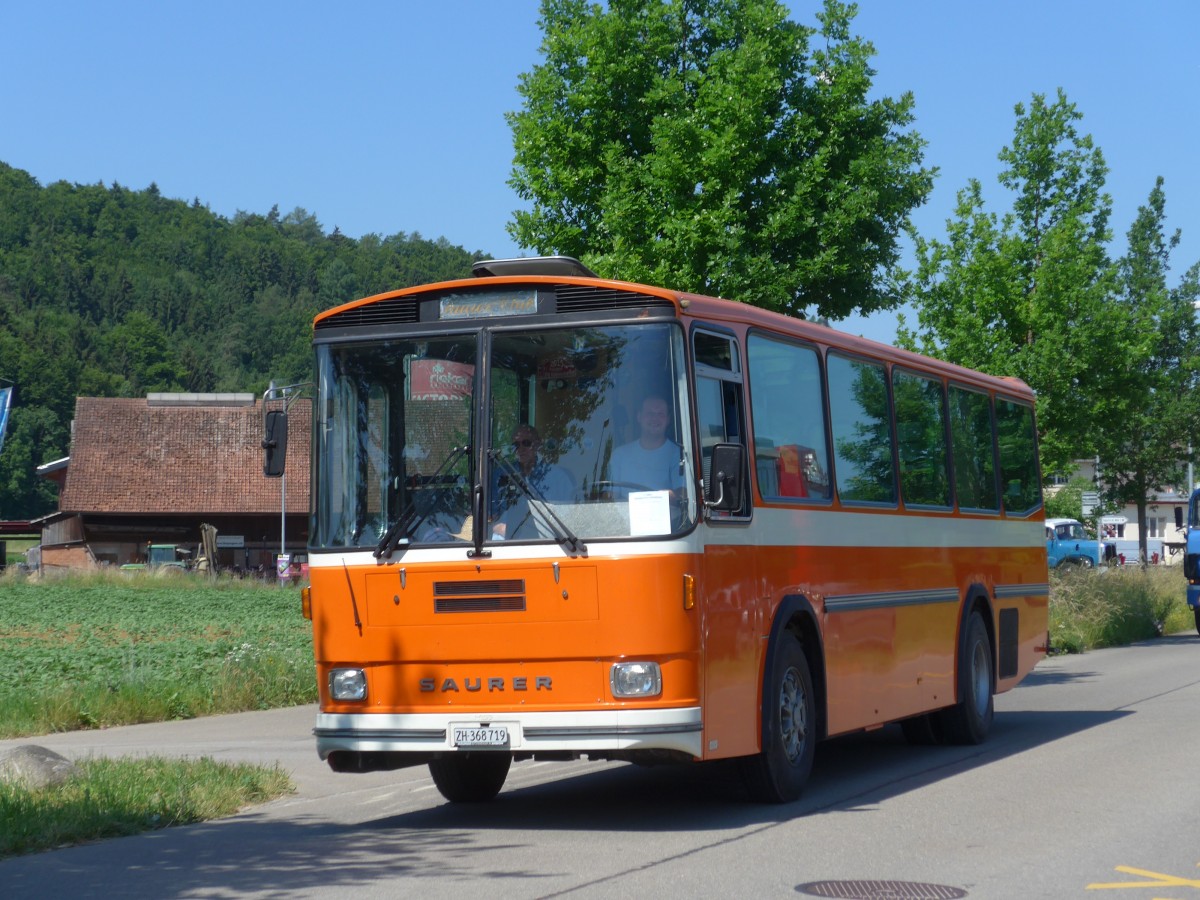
(478, 685)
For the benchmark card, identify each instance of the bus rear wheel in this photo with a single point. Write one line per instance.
(970, 719)
(1196, 610)
(470, 777)
(779, 772)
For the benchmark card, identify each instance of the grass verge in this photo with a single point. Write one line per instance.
(1095, 608)
(117, 797)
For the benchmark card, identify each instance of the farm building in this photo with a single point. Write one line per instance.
(151, 471)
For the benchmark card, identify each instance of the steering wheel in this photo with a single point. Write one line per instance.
(605, 487)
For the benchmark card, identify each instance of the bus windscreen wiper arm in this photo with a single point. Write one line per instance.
(409, 519)
(539, 505)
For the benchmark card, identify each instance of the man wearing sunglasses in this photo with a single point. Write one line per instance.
(547, 481)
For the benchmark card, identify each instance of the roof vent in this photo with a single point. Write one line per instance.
(556, 266)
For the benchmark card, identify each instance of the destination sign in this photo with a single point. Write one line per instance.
(489, 305)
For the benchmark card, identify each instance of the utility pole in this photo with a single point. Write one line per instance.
(288, 394)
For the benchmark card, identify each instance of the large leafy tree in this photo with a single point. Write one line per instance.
(1026, 294)
(1152, 411)
(717, 146)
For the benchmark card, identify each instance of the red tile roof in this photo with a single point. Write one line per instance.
(130, 457)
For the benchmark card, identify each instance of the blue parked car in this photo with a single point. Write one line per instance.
(1067, 543)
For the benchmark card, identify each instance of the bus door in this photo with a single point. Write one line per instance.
(728, 582)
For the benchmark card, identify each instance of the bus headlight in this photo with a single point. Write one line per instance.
(348, 684)
(636, 679)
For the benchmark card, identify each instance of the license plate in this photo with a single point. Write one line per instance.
(480, 736)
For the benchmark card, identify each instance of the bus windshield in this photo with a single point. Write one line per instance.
(587, 436)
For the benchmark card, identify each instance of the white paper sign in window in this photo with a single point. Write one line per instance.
(649, 512)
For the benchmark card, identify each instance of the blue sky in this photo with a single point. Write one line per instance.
(389, 117)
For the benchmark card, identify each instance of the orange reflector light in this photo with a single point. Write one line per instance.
(306, 603)
(689, 592)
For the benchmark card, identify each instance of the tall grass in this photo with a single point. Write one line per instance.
(108, 649)
(1094, 608)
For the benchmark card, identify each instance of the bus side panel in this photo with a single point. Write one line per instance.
(889, 618)
(884, 660)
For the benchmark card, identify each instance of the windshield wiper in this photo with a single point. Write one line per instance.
(410, 519)
(539, 505)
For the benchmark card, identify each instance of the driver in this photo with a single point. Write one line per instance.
(548, 481)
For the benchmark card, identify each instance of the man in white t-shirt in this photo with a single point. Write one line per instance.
(652, 461)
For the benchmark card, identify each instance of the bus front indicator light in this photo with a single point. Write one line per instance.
(636, 679)
(348, 684)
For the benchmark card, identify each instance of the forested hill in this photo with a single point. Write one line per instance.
(112, 292)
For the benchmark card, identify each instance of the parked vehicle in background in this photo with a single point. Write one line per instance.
(1191, 553)
(159, 556)
(1067, 543)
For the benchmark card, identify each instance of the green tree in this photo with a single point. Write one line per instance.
(107, 291)
(35, 436)
(1152, 410)
(717, 146)
(140, 351)
(1026, 295)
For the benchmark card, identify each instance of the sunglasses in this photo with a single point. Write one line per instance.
(523, 442)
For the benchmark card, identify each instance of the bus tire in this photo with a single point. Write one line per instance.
(470, 777)
(778, 773)
(970, 719)
(1196, 610)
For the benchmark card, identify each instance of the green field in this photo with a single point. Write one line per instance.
(102, 650)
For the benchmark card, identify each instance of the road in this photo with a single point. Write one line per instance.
(1086, 788)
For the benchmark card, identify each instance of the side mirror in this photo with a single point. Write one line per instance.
(723, 490)
(1179, 517)
(274, 443)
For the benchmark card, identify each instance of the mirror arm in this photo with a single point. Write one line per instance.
(716, 502)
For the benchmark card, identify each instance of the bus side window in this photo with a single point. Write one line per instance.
(787, 411)
(718, 399)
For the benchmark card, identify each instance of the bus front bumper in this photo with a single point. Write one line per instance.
(596, 731)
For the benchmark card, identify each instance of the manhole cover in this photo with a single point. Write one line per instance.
(880, 890)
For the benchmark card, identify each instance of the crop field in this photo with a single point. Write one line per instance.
(102, 650)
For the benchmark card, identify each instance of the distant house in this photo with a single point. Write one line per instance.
(1164, 542)
(151, 471)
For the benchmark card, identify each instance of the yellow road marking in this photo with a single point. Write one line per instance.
(1157, 879)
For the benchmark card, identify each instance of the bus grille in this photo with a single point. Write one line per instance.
(478, 604)
(504, 595)
(584, 298)
(395, 311)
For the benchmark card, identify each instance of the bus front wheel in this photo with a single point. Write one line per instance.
(779, 772)
(470, 777)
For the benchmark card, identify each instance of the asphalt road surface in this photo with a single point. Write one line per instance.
(1087, 787)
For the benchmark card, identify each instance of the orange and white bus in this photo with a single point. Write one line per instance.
(557, 516)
